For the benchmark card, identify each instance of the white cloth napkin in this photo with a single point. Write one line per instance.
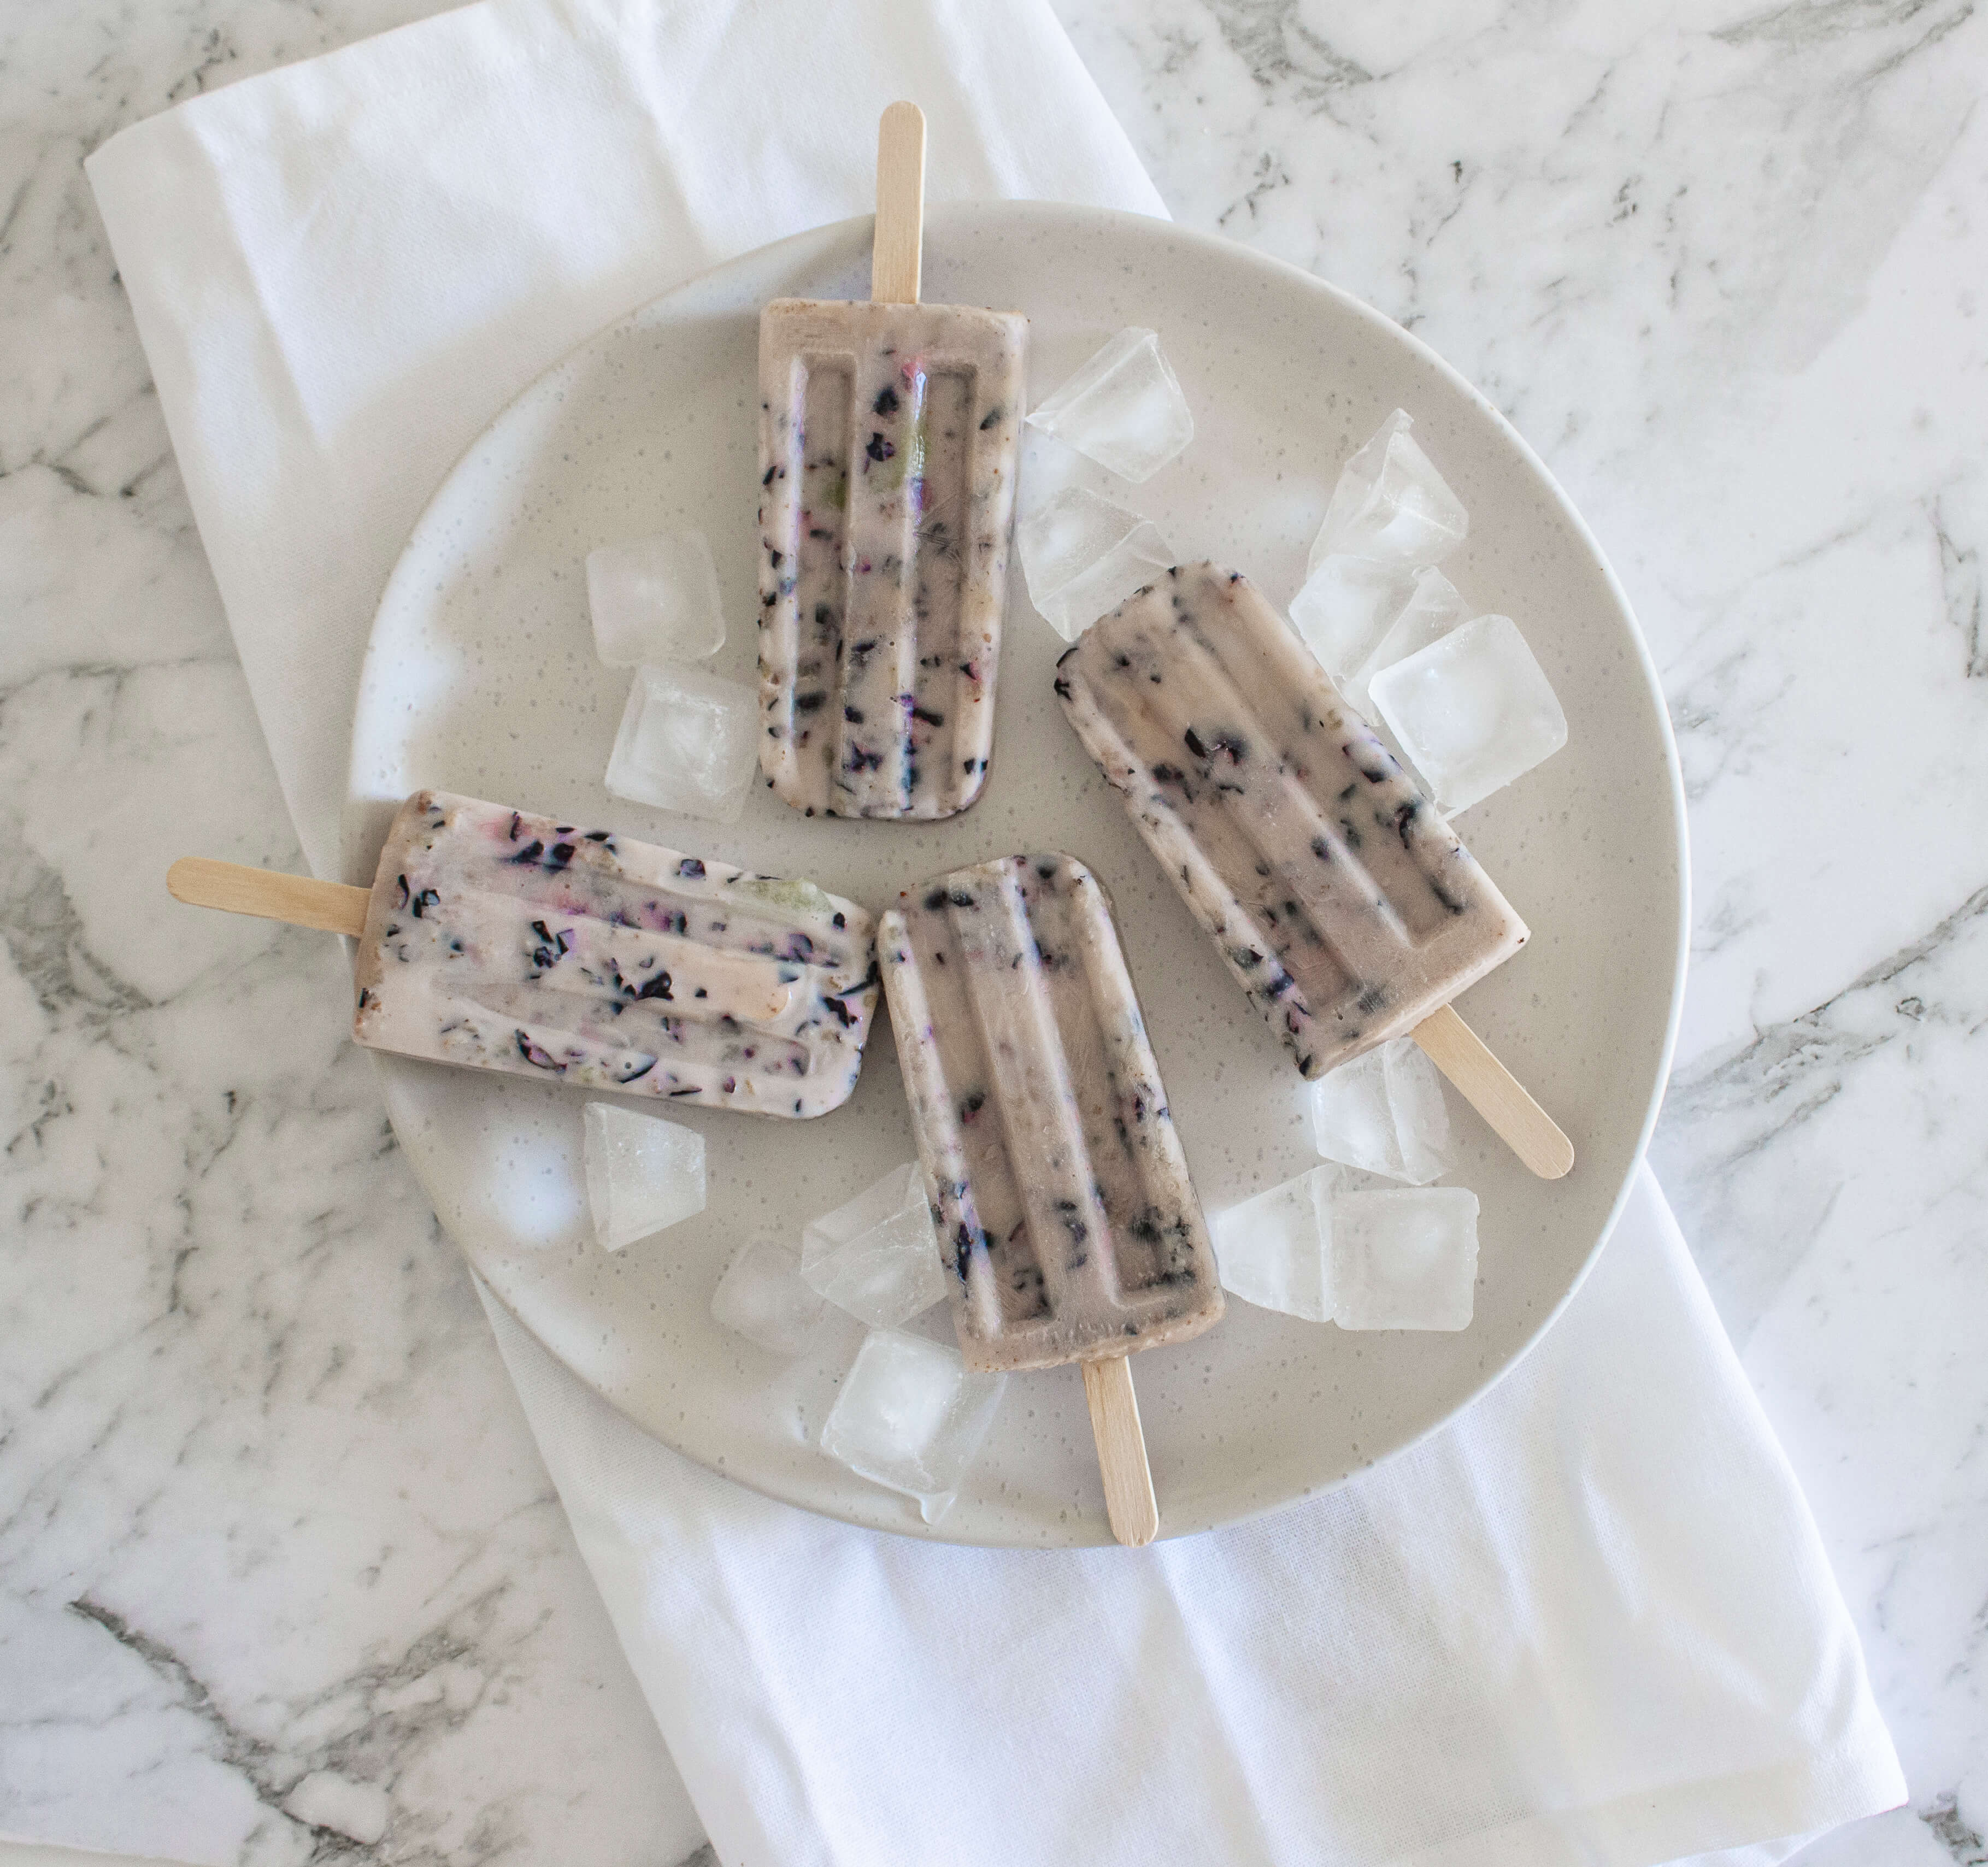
(1589, 1622)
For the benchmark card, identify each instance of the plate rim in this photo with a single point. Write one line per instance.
(1222, 251)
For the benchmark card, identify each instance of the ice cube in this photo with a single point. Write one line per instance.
(642, 1173)
(911, 1416)
(877, 1257)
(1391, 505)
(1124, 408)
(654, 601)
(763, 1297)
(1346, 605)
(1473, 710)
(1383, 1112)
(1434, 608)
(689, 742)
(1083, 555)
(1404, 1258)
(1272, 1250)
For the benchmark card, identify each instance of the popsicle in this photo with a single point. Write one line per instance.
(889, 432)
(1059, 1187)
(502, 941)
(1343, 905)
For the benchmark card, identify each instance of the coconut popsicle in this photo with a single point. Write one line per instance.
(889, 433)
(1340, 901)
(500, 940)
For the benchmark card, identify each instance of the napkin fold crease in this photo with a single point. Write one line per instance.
(1590, 1622)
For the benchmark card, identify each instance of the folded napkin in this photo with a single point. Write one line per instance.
(1590, 1622)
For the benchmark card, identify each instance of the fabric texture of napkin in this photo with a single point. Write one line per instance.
(1590, 1622)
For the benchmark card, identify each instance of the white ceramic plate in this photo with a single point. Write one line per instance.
(482, 678)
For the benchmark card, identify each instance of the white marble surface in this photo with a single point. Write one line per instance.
(281, 1578)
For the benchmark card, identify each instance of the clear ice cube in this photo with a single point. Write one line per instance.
(1124, 408)
(877, 1257)
(644, 1174)
(654, 601)
(1346, 606)
(1434, 608)
(1473, 710)
(763, 1297)
(1083, 555)
(1271, 1251)
(689, 742)
(1404, 1258)
(1383, 1112)
(911, 1416)
(1391, 505)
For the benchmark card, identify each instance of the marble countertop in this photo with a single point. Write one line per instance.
(281, 1576)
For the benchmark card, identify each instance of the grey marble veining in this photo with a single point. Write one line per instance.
(281, 1578)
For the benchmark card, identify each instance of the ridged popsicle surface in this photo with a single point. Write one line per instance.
(1059, 1187)
(502, 941)
(1343, 904)
(888, 438)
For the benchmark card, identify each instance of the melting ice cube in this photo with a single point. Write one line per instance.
(1383, 1112)
(877, 1257)
(642, 1173)
(763, 1297)
(1404, 1259)
(654, 601)
(911, 1416)
(1473, 710)
(1345, 607)
(1391, 505)
(689, 742)
(1124, 408)
(1271, 1251)
(1434, 607)
(1083, 555)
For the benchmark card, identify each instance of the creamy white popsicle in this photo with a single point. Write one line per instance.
(1060, 1192)
(1342, 903)
(887, 448)
(503, 940)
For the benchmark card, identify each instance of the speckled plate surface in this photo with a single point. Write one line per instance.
(481, 677)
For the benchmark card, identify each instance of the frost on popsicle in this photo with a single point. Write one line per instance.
(1124, 408)
(911, 1416)
(763, 1297)
(1390, 506)
(1473, 710)
(1083, 555)
(1384, 1113)
(644, 1174)
(877, 1257)
(689, 742)
(654, 601)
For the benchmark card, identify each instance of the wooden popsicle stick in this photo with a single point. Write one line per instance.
(1495, 1093)
(898, 247)
(1129, 1502)
(334, 906)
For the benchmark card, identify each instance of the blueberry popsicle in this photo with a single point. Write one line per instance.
(1059, 1187)
(889, 432)
(498, 939)
(1343, 905)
